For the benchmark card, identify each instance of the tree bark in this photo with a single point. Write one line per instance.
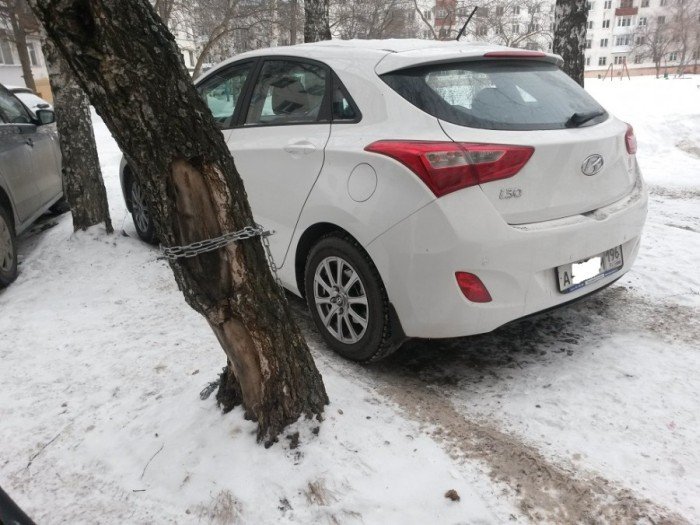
(317, 21)
(82, 177)
(570, 17)
(129, 65)
(293, 6)
(20, 39)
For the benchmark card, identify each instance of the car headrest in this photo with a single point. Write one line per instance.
(289, 97)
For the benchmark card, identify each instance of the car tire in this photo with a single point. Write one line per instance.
(140, 213)
(8, 248)
(340, 309)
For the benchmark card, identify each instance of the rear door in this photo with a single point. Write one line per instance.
(528, 103)
(278, 143)
(16, 132)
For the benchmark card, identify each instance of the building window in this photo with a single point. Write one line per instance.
(642, 20)
(638, 59)
(639, 41)
(602, 61)
(645, 3)
(607, 4)
(590, 24)
(588, 43)
(626, 3)
(619, 60)
(516, 28)
(606, 24)
(533, 28)
(32, 54)
(481, 31)
(673, 56)
(662, 3)
(499, 10)
(441, 13)
(516, 10)
(427, 14)
(443, 32)
(661, 20)
(603, 42)
(624, 21)
(5, 53)
(623, 40)
(588, 61)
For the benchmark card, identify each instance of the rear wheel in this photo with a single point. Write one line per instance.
(8, 249)
(347, 300)
(140, 213)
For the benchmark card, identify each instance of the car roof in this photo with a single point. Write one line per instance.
(393, 54)
(19, 89)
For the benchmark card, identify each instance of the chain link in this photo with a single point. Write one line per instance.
(209, 245)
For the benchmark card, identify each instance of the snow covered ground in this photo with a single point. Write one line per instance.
(582, 414)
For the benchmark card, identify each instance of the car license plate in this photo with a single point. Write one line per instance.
(576, 275)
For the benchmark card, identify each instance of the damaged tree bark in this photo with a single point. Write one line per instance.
(82, 177)
(127, 62)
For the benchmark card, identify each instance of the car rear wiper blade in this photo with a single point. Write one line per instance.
(578, 119)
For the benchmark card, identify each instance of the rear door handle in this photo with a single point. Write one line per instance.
(303, 147)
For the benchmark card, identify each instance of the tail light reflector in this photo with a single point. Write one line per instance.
(450, 166)
(630, 140)
(472, 287)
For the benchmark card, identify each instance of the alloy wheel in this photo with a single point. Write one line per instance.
(139, 210)
(340, 299)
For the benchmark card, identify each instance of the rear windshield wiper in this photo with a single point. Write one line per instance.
(578, 119)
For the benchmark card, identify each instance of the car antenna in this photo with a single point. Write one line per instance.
(461, 31)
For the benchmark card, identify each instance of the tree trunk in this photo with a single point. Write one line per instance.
(82, 177)
(20, 39)
(317, 22)
(293, 6)
(570, 18)
(129, 65)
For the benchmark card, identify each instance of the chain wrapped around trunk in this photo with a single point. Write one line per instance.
(209, 245)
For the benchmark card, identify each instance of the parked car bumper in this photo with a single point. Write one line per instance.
(418, 259)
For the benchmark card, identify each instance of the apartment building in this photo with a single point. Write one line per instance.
(616, 33)
(11, 70)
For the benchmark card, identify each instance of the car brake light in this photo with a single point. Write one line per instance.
(630, 140)
(450, 166)
(472, 287)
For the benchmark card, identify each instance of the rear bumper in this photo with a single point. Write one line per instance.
(418, 259)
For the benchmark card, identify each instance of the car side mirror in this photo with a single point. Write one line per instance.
(45, 116)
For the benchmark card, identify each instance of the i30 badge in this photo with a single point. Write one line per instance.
(592, 165)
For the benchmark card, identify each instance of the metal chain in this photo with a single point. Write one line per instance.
(209, 245)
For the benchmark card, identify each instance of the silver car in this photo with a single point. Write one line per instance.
(30, 174)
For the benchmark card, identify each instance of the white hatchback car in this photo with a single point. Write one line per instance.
(425, 189)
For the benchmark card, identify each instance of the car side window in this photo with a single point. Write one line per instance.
(288, 92)
(343, 109)
(12, 109)
(222, 91)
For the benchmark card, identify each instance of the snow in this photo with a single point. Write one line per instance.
(102, 363)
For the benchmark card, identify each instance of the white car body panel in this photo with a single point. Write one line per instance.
(418, 241)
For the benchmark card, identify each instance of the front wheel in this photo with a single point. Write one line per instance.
(347, 299)
(141, 214)
(8, 248)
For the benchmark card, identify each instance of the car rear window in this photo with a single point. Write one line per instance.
(507, 95)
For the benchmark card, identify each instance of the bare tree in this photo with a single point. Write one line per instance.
(570, 18)
(653, 41)
(194, 193)
(374, 19)
(685, 30)
(16, 14)
(83, 186)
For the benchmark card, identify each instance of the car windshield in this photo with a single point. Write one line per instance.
(507, 95)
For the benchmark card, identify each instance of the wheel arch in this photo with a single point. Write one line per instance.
(126, 176)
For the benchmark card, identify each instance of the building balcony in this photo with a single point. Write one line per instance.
(626, 11)
(626, 30)
(620, 50)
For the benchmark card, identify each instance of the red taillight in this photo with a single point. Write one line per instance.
(472, 287)
(630, 140)
(450, 166)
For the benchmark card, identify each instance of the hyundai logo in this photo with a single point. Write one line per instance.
(592, 165)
